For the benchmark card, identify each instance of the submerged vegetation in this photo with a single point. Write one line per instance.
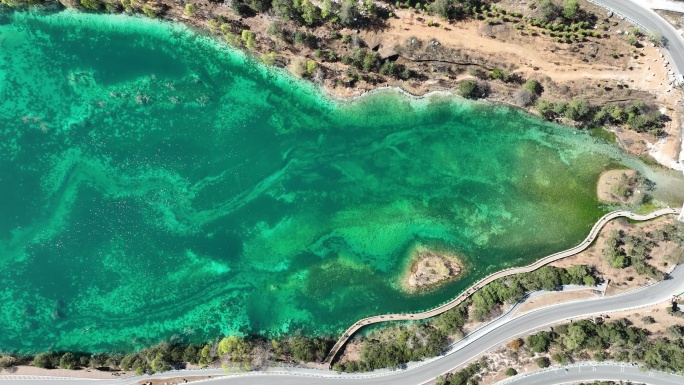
(413, 342)
(392, 346)
(388, 348)
(295, 23)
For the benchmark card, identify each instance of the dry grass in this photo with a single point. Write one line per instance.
(622, 279)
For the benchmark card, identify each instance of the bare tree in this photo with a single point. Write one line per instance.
(298, 66)
(262, 355)
(523, 98)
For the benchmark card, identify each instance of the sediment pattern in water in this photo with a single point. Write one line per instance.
(156, 183)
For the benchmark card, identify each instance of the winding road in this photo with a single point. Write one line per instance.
(592, 372)
(638, 13)
(595, 231)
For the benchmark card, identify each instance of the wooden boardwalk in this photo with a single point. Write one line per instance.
(595, 231)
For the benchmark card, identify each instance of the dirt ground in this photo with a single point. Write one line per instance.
(586, 70)
(608, 181)
(500, 360)
(621, 280)
(674, 18)
(352, 351)
(555, 298)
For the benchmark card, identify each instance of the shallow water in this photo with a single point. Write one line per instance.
(158, 184)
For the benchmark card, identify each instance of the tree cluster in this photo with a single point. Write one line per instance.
(234, 352)
(465, 376)
(623, 250)
(550, 10)
(471, 89)
(363, 59)
(618, 340)
(628, 184)
(637, 116)
(394, 346)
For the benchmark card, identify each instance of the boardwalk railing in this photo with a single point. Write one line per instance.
(595, 231)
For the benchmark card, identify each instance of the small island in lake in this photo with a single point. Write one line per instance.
(429, 268)
(622, 186)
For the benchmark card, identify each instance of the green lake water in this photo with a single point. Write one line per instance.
(155, 183)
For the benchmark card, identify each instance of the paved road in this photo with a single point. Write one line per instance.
(598, 371)
(595, 231)
(475, 345)
(648, 19)
(667, 5)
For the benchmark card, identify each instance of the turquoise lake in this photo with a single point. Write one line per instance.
(158, 184)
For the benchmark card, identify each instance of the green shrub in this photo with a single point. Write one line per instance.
(560, 358)
(468, 89)
(150, 11)
(232, 39)
(249, 38)
(43, 360)
(67, 361)
(91, 4)
(542, 362)
(540, 342)
(268, 58)
(311, 66)
(578, 110)
(190, 9)
(570, 9)
(533, 86)
(7, 361)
